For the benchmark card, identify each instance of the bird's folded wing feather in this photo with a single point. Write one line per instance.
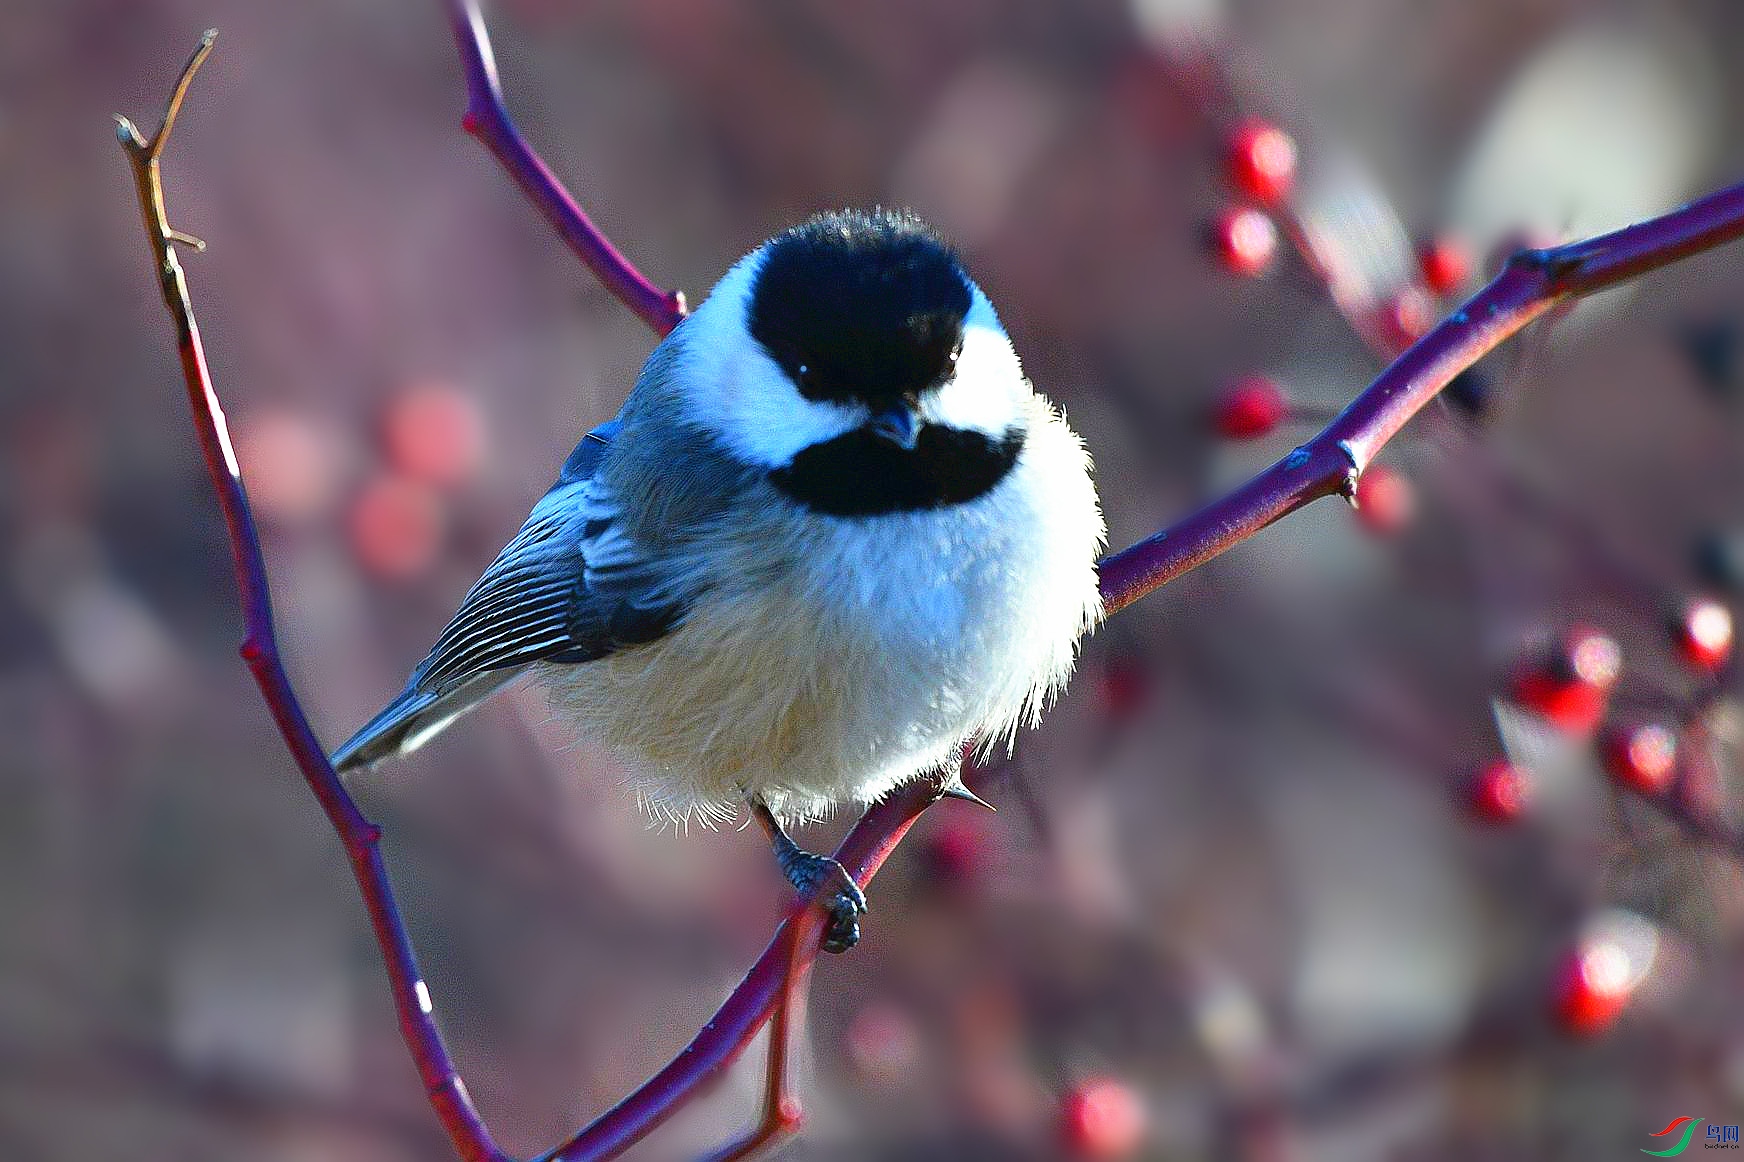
(570, 587)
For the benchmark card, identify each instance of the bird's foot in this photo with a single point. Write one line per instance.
(817, 877)
(822, 878)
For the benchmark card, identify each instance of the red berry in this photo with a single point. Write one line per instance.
(954, 853)
(434, 433)
(1245, 240)
(1102, 1118)
(1705, 633)
(1643, 757)
(1123, 686)
(1571, 687)
(1501, 792)
(1385, 500)
(1250, 408)
(1261, 162)
(396, 526)
(1444, 264)
(1593, 656)
(1591, 988)
(290, 463)
(1571, 705)
(1407, 316)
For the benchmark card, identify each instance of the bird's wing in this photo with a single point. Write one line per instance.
(570, 587)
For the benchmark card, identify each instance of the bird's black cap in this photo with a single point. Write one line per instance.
(860, 305)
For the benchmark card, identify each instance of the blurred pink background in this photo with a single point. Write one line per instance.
(1236, 902)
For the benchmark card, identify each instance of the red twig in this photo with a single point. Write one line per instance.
(782, 1114)
(487, 118)
(1531, 284)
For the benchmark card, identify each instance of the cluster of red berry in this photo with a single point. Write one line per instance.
(1260, 166)
(430, 445)
(1569, 686)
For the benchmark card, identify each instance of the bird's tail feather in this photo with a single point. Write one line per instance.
(417, 716)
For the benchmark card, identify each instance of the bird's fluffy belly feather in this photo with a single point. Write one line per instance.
(862, 652)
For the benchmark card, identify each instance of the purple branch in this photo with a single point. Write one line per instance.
(487, 118)
(1532, 282)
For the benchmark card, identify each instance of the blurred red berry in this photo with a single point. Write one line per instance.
(434, 433)
(1593, 656)
(1407, 316)
(1123, 685)
(1591, 988)
(954, 853)
(883, 1040)
(1250, 408)
(1444, 265)
(1571, 686)
(1501, 792)
(1704, 633)
(1385, 500)
(1261, 162)
(1245, 240)
(1102, 1118)
(1571, 705)
(290, 464)
(1643, 757)
(396, 526)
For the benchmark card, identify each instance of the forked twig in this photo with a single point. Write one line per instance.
(1532, 283)
(782, 1114)
(261, 651)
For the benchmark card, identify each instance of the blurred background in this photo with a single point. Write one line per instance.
(1403, 833)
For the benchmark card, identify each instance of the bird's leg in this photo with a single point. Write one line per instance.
(811, 874)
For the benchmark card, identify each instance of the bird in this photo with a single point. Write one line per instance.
(833, 537)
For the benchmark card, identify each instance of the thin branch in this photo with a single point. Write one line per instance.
(782, 1114)
(1532, 282)
(487, 118)
(736, 1023)
(260, 649)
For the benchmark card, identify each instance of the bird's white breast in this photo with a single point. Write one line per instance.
(835, 658)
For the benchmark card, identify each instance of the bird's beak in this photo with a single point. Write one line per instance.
(896, 423)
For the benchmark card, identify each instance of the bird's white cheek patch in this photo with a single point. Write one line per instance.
(986, 395)
(766, 421)
(740, 395)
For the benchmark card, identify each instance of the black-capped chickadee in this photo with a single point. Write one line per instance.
(832, 535)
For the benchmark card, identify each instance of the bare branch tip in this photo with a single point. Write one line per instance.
(174, 105)
(127, 133)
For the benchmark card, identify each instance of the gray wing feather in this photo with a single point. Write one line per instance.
(570, 587)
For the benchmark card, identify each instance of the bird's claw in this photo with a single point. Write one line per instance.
(814, 875)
